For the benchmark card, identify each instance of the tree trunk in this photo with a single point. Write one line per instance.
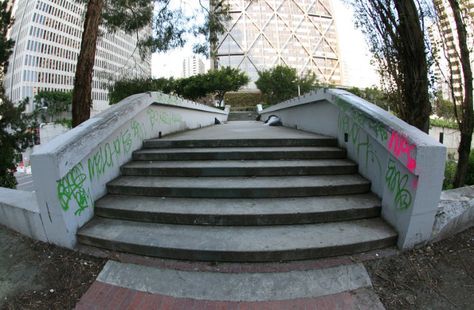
(414, 66)
(82, 92)
(467, 125)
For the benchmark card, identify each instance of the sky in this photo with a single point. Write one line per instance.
(354, 53)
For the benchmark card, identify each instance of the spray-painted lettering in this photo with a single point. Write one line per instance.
(396, 183)
(71, 186)
(399, 145)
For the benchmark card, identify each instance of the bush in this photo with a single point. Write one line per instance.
(470, 170)
(242, 99)
(449, 172)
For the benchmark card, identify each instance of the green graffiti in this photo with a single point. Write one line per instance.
(396, 183)
(100, 161)
(137, 129)
(153, 117)
(370, 153)
(71, 186)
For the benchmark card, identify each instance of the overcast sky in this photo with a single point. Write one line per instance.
(354, 54)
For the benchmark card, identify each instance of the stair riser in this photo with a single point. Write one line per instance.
(241, 155)
(238, 143)
(232, 256)
(239, 192)
(238, 220)
(251, 171)
(242, 117)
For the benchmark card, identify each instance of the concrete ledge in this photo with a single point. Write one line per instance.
(19, 211)
(455, 213)
(405, 165)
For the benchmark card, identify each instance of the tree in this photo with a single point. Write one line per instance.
(217, 16)
(226, 79)
(121, 89)
(395, 33)
(383, 99)
(129, 15)
(466, 119)
(16, 128)
(54, 103)
(281, 83)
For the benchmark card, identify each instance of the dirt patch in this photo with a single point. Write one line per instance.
(438, 276)
(36, 275)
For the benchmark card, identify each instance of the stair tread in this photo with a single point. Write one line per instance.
(287, 182)
(239, 149)
(228, 207)
(237, 238)
(239, 163)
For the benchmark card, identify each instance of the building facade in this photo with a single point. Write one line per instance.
(444, 37)
(193, 65)
(297, 33)
(47, 35)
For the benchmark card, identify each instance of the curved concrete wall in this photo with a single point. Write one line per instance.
(405, 165)
(71, 171)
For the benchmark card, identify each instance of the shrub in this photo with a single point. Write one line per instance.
(243, 99)
(449, 172)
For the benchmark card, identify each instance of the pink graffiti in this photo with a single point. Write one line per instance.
(399, 145)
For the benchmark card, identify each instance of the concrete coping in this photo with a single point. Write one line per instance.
(19, 199)
(104, 124)
(344, 99)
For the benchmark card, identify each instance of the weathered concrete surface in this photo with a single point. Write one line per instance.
(19, 211)
(405, 166)
(71, 171)
(240, 187)
(238, 243)
(455, 212)
(236, 286)
(240, 153)
(244, 212)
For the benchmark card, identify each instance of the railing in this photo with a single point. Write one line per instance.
(405, 166)
(71, 172)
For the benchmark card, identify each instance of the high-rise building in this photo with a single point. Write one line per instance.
(47, 35)
(192, 65)
(444, 37)
(266, 33)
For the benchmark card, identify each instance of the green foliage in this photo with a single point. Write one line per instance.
(437, 122)
(215, 82)
(123, 88)
(16, 134)
(383, 99)
(444, 108)
(449, 172)
(281, 83)
(243, 99)
(53, 103)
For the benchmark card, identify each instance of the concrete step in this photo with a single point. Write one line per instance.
(242, 116)
(239, 168)
(235, 212)
(239, 187)
(294, 289)
(238, 243)
(240, 153)
(273, 142)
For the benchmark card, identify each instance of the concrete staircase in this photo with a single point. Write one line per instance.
(286, 195)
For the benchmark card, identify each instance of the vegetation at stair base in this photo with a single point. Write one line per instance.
(405, 166)
(71, 171)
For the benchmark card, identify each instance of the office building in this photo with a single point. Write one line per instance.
(47, 35)
(444, 37)
(193, 65)
(297, 33)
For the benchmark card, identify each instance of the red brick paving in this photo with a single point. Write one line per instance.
(105, 296)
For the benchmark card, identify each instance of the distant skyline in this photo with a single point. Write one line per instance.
(353, 50)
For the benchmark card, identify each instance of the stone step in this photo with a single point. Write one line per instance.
(242, 116)
(238, 243)
(243, 212)
(239, 168)
(240, 153)
(274, 142)
(239, 187)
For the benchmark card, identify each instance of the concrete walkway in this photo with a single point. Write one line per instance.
(242, 130)
(329, 284)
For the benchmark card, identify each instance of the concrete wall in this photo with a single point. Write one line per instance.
(20, 212)
(405, 166)
(71, 172)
